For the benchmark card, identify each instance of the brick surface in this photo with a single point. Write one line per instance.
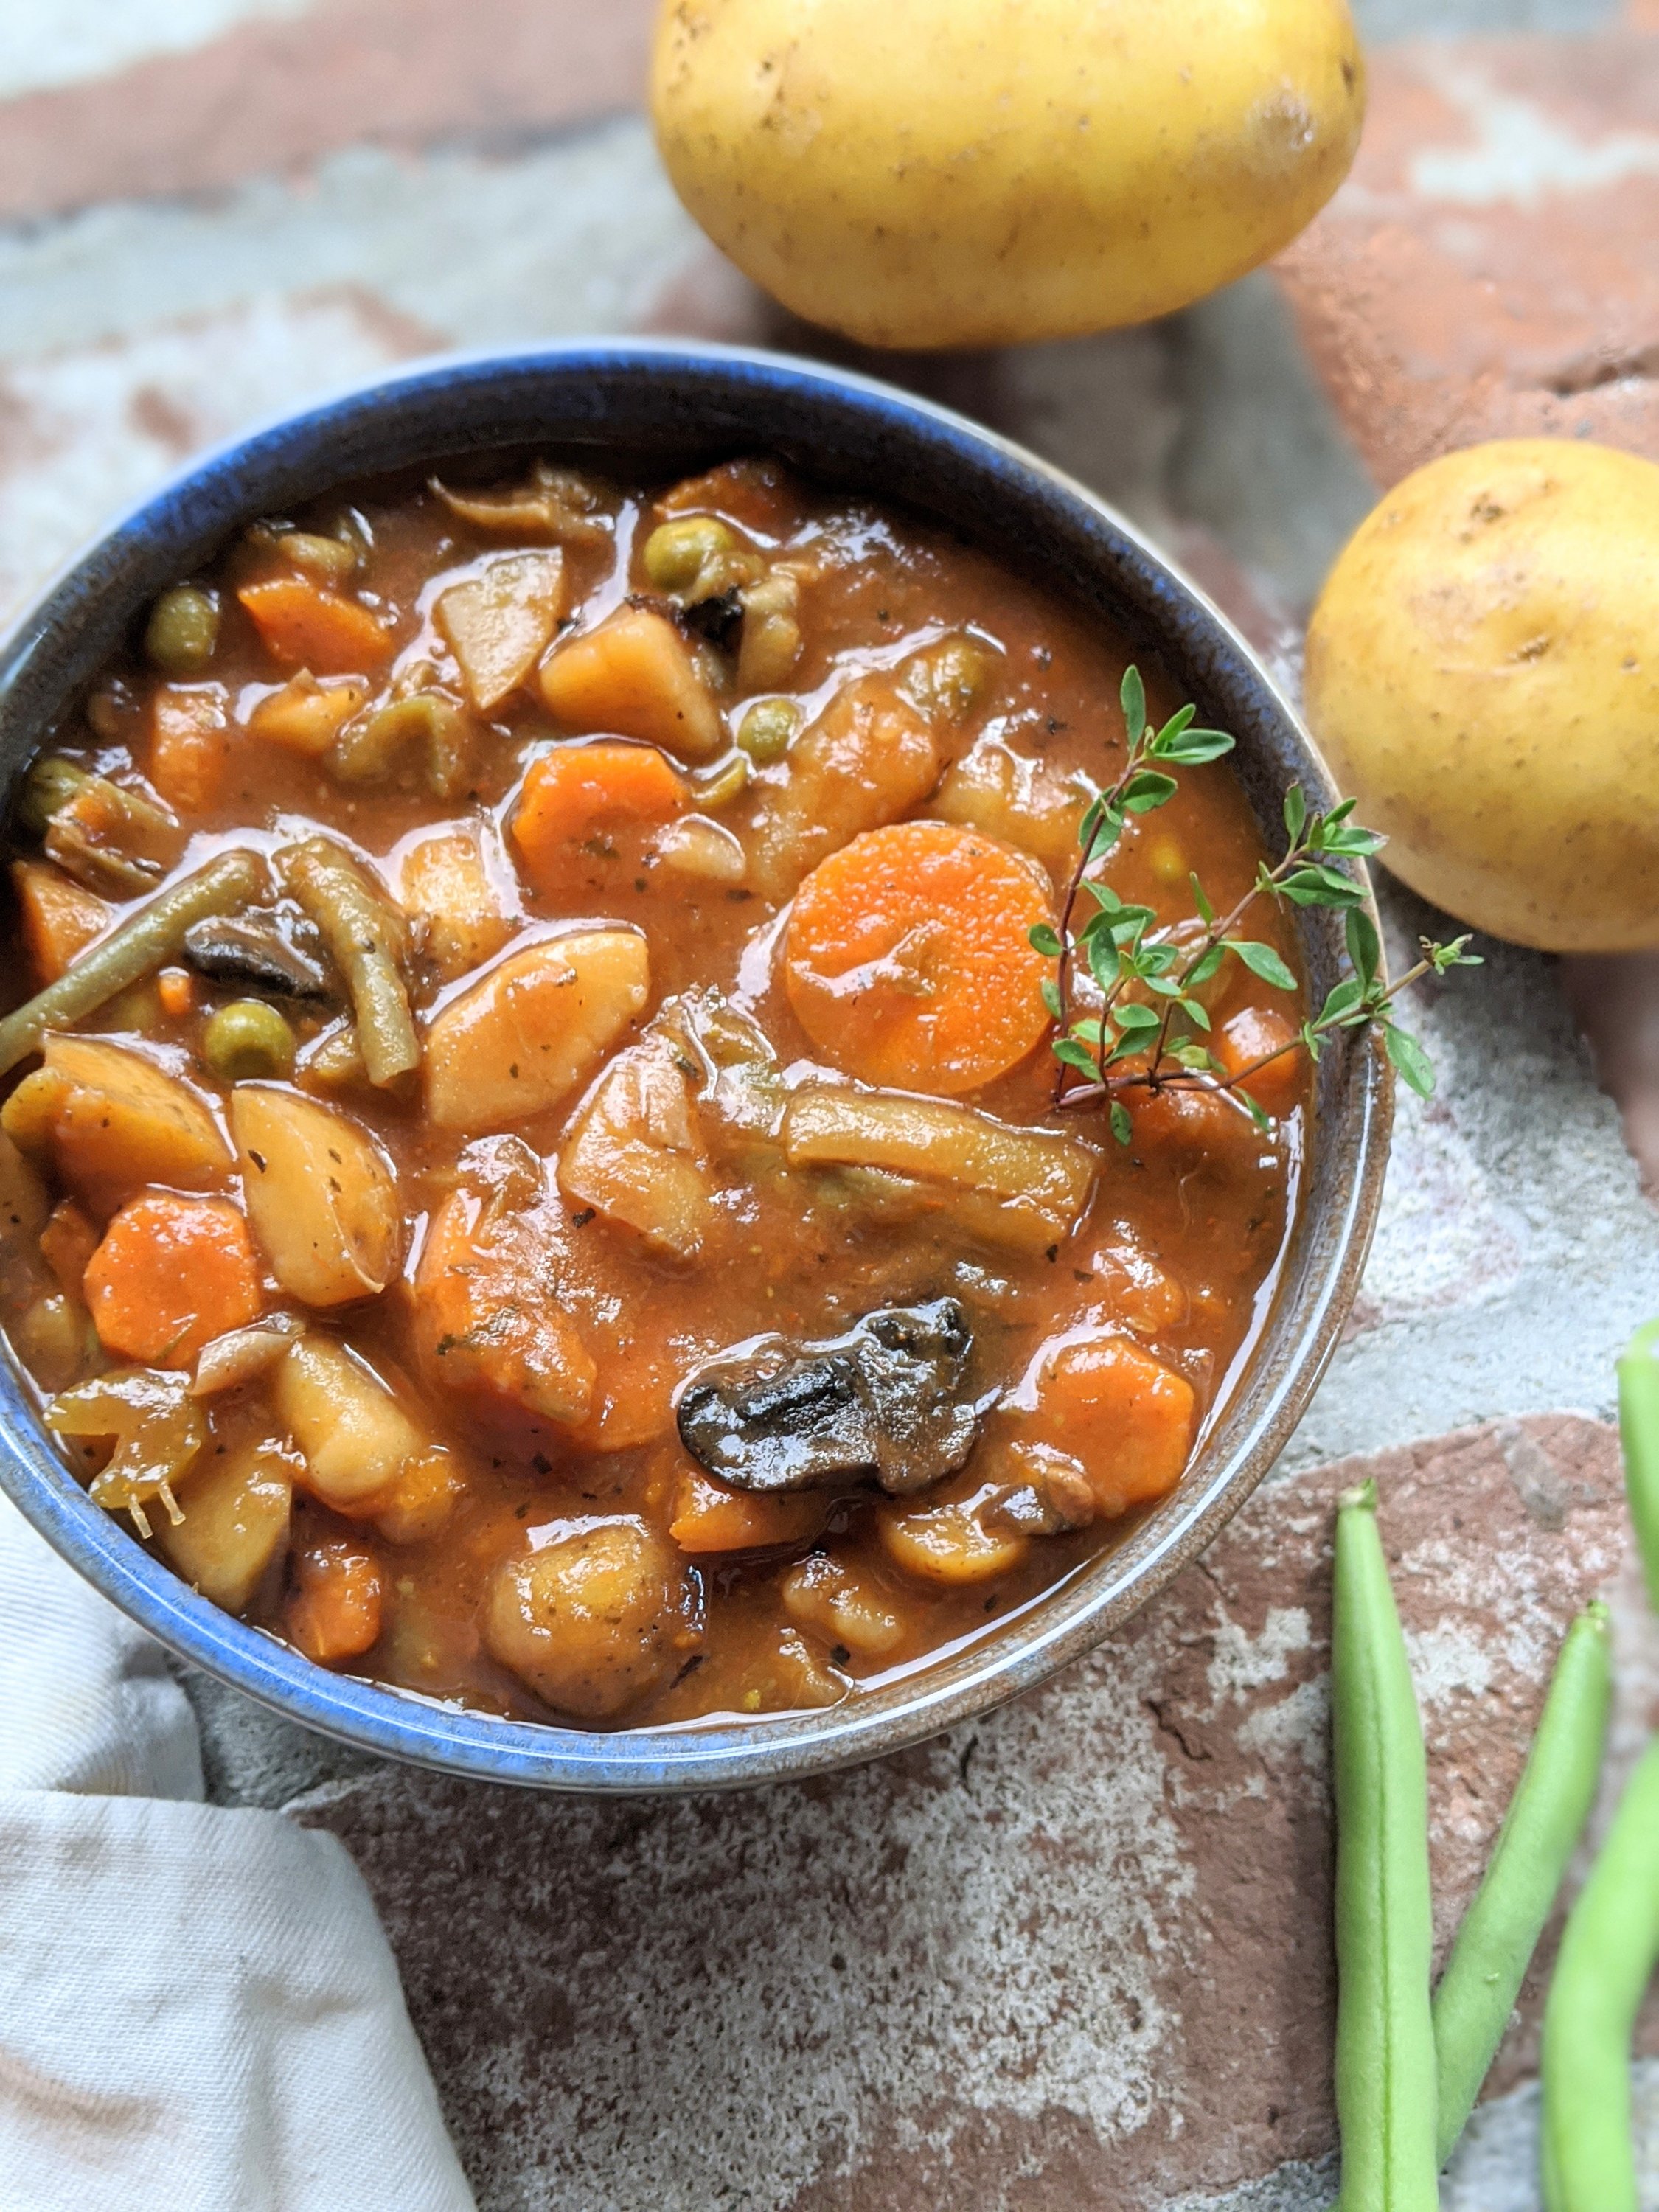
(1489, 269)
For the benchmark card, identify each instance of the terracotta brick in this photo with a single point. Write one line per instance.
(1488, 270)
(277, 95)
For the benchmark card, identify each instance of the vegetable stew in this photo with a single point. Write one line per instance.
(533, 1170)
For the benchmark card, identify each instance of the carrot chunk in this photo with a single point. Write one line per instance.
(487, 1318)
(579, 791)
(60, 916)
(188, 748)
(172, 1273)
(1122, 1415)
(709, 1517)
(334, 1611)
(1250, 1036)
(303, 626)
(909, 958)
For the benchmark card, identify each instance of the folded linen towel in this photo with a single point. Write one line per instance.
(199, 2009)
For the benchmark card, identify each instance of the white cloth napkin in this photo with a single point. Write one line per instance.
(199, 2009)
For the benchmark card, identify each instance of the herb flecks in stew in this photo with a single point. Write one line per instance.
(533, 1172)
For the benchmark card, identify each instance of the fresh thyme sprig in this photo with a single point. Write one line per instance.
(1148, 1033)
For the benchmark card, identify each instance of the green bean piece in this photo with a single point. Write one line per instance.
(182, 634)
(365, 934)
(767, 730)
(1385, 2086)
(682, 556)
(248, 1042)
(1500, 1932)
(1638, 1432)
(1608, 1951)
(151, 937)
(47, 789)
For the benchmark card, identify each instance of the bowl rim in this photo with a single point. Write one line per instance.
(1030, 1646)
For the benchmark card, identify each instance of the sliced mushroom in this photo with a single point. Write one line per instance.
(890, 1399)
(258, 952)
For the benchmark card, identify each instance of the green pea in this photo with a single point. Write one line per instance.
(248, 1042)
(676, 553)
(329, 560)
(49, 787)
(1385, 2074)
(767, 729)
(183, 631)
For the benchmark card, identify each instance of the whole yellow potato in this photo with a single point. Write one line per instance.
(961, 172)
(1483, 675)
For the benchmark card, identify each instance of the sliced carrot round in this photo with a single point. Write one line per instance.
(909, 958)
(171, 1274)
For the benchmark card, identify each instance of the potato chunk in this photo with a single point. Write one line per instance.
(445, 882)
(236, 1512)
(114, 1120)
(356, 1439)
(592, 1614)
(321, 1196)
(634, 1153)
(633, 676)
(501, 623)
(487, 1312)
(946, 1542)
(525, 1036)
(869, 757)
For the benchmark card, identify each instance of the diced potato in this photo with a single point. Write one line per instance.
(634, 1153)
(56, 1342)
(487, 1313)
(709, 1517)
(500, 623)
(1041, 1180)
(1122, 1415)
(25, 1208)
(525, 1035)
(60, 917)
(444, 881)
(116, 1121)
(1023, 801)
(827, 1596)
(426, 1494)
(305, 716)
(356, 1439)
(236, 1522)
(321, 1196)
(945, 1541)
(634, 676)
(869, 757)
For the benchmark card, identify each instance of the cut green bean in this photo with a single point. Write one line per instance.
(1500, 1930)
(365, 934)
(1385, 2086)
(149, 939)
(1608, 1951)
(1638, 1432)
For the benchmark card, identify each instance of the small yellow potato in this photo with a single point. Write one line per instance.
(236, 1512)
(499, 624)
(634, 1153)
(356, 1439)
(634, 676)
(971, 173)
(528, 1032)
(1483, 675)
(593, 1618)
(322, 1197)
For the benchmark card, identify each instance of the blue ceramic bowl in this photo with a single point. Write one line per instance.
(662, 408)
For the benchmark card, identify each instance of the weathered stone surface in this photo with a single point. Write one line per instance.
(1078, 1954)
(1488, 270)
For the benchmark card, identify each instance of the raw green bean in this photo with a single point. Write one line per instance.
(1607, 1954)
(1500, 1930)
(366, 936)
(1385, 2087)
(1638, 1432)
(151, 937)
